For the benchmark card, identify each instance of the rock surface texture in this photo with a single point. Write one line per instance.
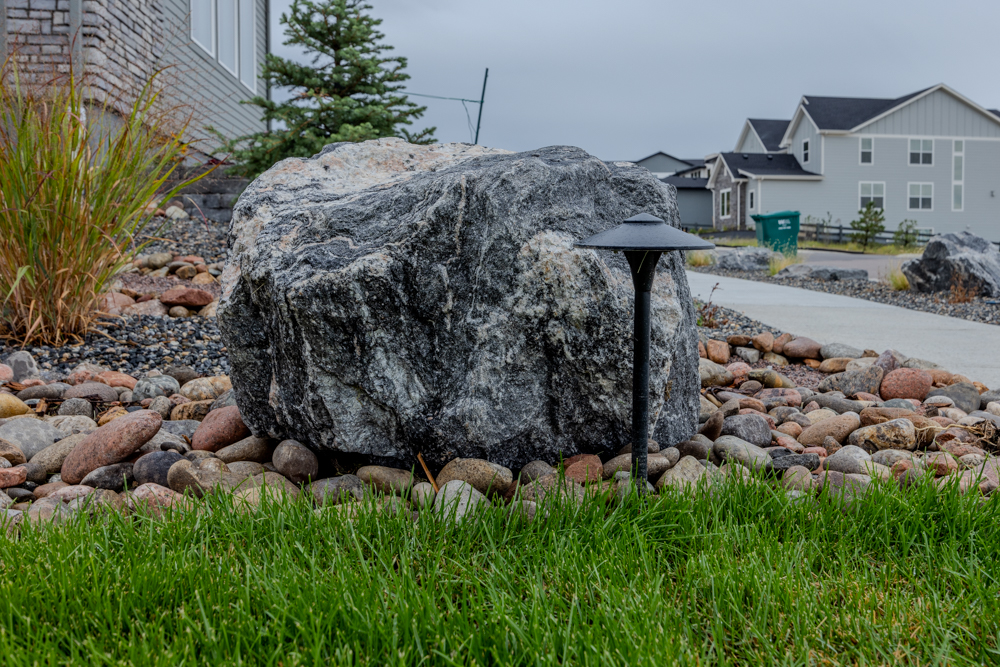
(386, 298)
(949, 259)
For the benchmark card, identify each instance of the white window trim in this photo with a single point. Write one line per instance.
(873, 184)
(209, 49)
(729, 213)
(861, 150)
(918, 210)
(806, 151)
(239, 45)
(236, 37)
(910, 164)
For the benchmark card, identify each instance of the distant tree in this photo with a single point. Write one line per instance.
(906, 234)
(349, 91)
(870, 223)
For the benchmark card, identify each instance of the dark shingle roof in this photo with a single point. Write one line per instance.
(995, 112)
(845, 113)
(765, 164)
(695, 162)
(682, 183)
(770, 131)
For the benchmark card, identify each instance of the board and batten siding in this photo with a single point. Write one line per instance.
(838, 192)
(213, 92)
(939, 114)
(806, 130)
(750, 144)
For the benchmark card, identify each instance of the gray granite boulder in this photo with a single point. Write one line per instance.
(950, 259)
(747, 259)
(384, 298)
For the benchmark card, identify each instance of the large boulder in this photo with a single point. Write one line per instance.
(956, 259)
(385, 298)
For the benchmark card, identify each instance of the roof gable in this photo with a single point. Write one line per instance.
(769, 131)
(763, 164)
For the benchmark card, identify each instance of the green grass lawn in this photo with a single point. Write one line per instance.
(743, 576)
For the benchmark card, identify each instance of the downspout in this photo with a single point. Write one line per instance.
(76, 37)
(267, 49)
(3, 30)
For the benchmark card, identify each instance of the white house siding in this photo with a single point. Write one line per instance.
(750, 144)
(213, 93)
(806, 130)
(838, 192)
(938, 114)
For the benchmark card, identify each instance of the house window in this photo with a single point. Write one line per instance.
(921, 151)
(867, 150)
(805, 150)
(958, 176)
(724, 203)
(872, 192)
(921, 197)
(750, 200)
(226, 30)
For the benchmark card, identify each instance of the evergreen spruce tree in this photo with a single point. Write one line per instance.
(348, 92)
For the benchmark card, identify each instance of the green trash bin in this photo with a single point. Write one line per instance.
(778, 231)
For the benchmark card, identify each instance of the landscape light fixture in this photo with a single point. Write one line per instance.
(643, 238)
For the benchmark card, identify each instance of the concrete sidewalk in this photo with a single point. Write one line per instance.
(969, 348)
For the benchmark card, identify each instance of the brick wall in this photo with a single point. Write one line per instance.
(39, 29)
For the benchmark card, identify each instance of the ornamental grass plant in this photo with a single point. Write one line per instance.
(76, 183)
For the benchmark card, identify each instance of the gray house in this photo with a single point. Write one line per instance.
(663, 164)
(212, 49)
(932, 156)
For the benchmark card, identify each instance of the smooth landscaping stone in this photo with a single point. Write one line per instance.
(730, 448)
(387, 480)
(485, 477)
(617, 464)
(900, 403)
(889, 457)
(712, 428)
(551, 488)
(697, 447)
(849, 459)
(892, 434)
(191, 411)
(295, 461)
(110, 444)
(94, 391)
(79, 407)
(210, 388)
(251, 448)
(151, 387)
(46, 391)
(838, 427)
(457, 499)
(785, 463)
(187, 477)
(267, 478)
(30, 435)
(866, 380)
(11, 452)
(23, 366)
(335, 490)
(219, 429)
(965, 395)
(116, 477)
(905, 383)
(835, 350)
(13, 477)
(181, 428)
(153, 468)
(245, 468)
(72, 424)
(154, 499)
(750, 428)
(534, 470)
(798, 478)
(52, 457)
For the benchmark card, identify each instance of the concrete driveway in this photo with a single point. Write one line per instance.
(958, 345)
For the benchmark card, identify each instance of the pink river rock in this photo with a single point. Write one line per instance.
(112, 443)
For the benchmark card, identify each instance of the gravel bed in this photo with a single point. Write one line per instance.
(204, 238)
(977, 310)
(140, 344)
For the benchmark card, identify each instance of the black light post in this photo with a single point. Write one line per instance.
(643, 238)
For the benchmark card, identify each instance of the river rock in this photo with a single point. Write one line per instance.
(251, 448)
(534, 470)
(965, 395)
(802, 348)
(849, 459)
(488, 478)
(11, 406)
(419, 307)
(335, 490)
(46, 391)
(552, 488)
(23, 366)
(730, 448)
(751, 428)
(295, 461)
(685, 475)
(838, 428)
(151, 387)
(94, 391)
(457, 499)
(905, 383)
(203, 389)
(956, 258)
(30, 435)
(11, 453)
(893, 434)
(839, 350)
(52, 457)
(110, 444)
(116, 477)
(865, 380)
(152, 468)
(219, 429)
(387, 480)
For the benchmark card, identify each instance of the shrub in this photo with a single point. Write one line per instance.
(906, 234)
(779, 262)
(870, 223)
(896, 279)
(700, 258)
(73, 199)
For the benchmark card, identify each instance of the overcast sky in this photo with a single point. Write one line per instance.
(627, 78)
